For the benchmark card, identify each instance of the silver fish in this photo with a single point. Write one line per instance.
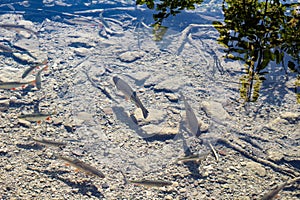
(38, 78)
(50, 142)
(82, 166)
(13, 85)
(271, 195)
(194, 157)
(35, 117)
(31, 68)
(151, 183)
(17, 27)
(129, 93)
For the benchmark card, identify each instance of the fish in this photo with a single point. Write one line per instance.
(50, 142)
(272, 194)
(35, 117)
(13, 85)
(38, 78)
(31, 68)
(191, 119)
(5, 49)
(194, 157)
(151, 183)
(17, 27)
(82, 166)
(129, 93)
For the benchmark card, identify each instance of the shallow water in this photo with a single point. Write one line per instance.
(85, 51)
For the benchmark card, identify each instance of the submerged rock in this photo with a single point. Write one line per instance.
(256, 168)
(131, 56)
(168, 85)
(290, 117)
(215, 110)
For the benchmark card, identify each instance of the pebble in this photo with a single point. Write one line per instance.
(4, 102)
(290, 116)
(256, 168)
(24, 123)
(171, 84)
(131, 56)
(274, 155)
(24, 57)
(155, 115)
(172, 97)
(82, 52)
(168, 197)
(215, 110)
(105, 186)
(8, 167)
(4, 105)
(3, 151)
(182, 190)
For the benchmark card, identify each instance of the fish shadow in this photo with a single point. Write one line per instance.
(85, 188)
(19, 104)
(132, 124)
(192, 166)
(30, 146)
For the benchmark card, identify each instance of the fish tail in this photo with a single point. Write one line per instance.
(198, 133)
(145, 112)
(124, 178)
(32, 82)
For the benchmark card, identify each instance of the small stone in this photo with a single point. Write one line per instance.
(256, 168)
(168, 85)
(4, 105)
(131, 56)
(175, 184)
(57, 121)
(290, 116)
(155, 115)
(169, 130)
(4, 102)
(274, 155)
(24, 123)
(215, 110)
(108, 110)
(168, 197)
(182, 190)
(105, 186)
(203, 126)
(3, 152)
(8, 167)
(24, 57)
(172, 97)
(81, 51)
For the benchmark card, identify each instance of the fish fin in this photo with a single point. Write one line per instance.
(48, 118)
(39, 122)
(13, 88)
(67, 164)
(76, 170)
